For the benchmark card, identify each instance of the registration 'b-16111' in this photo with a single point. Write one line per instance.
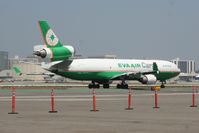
(100, 71)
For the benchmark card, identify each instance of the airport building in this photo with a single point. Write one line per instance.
(3, 60)
(186, 66)
(29, 66)
(32, 71)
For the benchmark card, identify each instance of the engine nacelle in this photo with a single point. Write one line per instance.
(56, 53)
(148, 79)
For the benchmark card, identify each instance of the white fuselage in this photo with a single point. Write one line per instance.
(120, 65)
(112, 69)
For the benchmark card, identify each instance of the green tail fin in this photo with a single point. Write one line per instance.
(17, 71)
(49, 36)
(53, 46)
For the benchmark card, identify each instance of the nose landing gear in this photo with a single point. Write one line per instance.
(163, 84)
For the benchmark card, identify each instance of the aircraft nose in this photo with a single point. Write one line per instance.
(178, 69)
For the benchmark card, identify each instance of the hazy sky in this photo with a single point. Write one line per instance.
(162, 29)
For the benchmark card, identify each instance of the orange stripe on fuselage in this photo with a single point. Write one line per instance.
(45, 45)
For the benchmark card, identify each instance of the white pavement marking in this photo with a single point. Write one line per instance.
(32, 100)
(74, 96)
(84, 97)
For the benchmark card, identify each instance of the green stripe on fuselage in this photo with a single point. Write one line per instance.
(90, 75)
(162, 76)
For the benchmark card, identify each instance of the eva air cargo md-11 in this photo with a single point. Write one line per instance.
(100, 71)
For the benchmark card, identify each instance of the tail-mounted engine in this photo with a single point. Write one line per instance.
(56, 53)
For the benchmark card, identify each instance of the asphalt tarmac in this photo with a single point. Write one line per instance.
(74, 115)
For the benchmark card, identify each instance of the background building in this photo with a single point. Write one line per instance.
(29, 66)
(186, 66)
(3, 60)
(32, 71)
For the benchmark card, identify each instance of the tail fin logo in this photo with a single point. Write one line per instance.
(51, 38)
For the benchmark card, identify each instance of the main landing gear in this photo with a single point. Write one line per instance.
(123, 85)
(93, 85)
(106, 86)
(97, 85)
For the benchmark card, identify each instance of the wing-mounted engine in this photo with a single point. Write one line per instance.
(148, 79)
(56, 53)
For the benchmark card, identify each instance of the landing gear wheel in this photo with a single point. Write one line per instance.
(90, 86)
(106, 86)
(162, 86)
(118, 86)
(122, 86)
(97, 86)
(126, 86)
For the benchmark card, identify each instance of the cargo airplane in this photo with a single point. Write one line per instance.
(100, 71)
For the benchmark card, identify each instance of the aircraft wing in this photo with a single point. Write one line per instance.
(138, 75)
(57, 65)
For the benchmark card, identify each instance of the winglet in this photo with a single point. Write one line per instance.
(17, 71)
(155, 67)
